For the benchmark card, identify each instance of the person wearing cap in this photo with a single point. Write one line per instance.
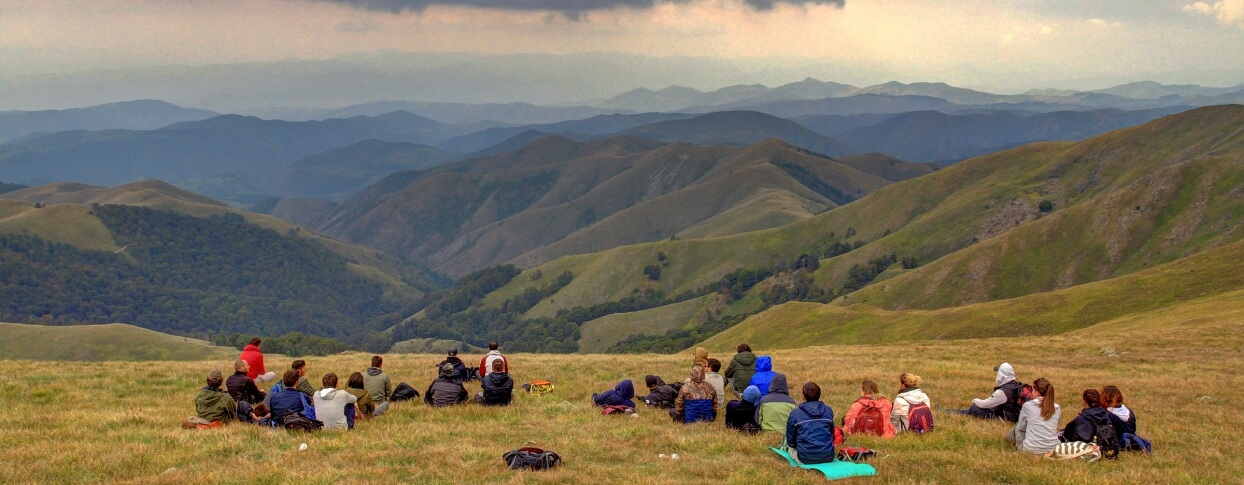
(742, 412)
(213, 403)
(447, 389)
(461, 373)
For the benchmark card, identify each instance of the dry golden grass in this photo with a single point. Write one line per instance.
(118, 422)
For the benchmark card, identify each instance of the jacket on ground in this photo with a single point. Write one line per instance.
(1040, 435)
(253, 358)
(498, 389)
(810, 432)
(741, 412)
(214, 404)
(485, 364)
(378, 385)
(243, 388)
(330, 407)
(903, 402)
(773, 410)
(764, 374)
(445, 392)
(697, 400)
(620, 395)
(289, 400)
(857, 408)
(741, 369)
(1084, 427)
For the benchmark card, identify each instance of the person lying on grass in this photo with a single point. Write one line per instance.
(620, 395)
(660, 394)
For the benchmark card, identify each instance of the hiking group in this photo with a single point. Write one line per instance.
(292, 402)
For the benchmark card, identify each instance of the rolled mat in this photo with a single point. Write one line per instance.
(833, 470)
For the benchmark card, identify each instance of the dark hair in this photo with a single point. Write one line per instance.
(745, 348)
(651, 380)
(260, 410)
(330, 380)
(355, 381)
(714, 364)
(492, 346)
(870, 388)
(1111, 397)
(298, 364)
(498, 365)
(1092, 398)
(811, 392)
(1043, 387)
(290, 379)
(256, 341)
(214, 382)
(453, 351)
(377, 361)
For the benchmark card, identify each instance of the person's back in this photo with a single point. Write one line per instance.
(1036, 430)
(1004, 402)
(378, 385)
(870, 414)
(446, 390)
(1084, 427)
(660, 394)
(773, 410)
(254, 359)
(741, 369)
(241, 387)
(1121, 418)
(716, 380)
(909, 396)
(331, 403)
(743, 412)
(289, 400)
(214, 404)
(697, 399)
(764, 374)
(365, 406)
(810, 429)
(493, 355)
(498, 386)
(620, 395)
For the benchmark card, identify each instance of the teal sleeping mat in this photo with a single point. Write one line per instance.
(833, 470)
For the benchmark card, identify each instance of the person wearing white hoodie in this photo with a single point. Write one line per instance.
(909, 395)
(331, 404)
(1004, 402)
(485, 364)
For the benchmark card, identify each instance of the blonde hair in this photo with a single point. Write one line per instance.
(909, 380)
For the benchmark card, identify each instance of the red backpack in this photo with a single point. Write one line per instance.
(919, 418)
(871, 420)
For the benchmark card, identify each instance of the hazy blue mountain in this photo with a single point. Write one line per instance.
(145, 114)
(457, 113)
(1153, 90)
(736, 128)
(596, 125)
(834, 125)
(340, 172)
(675, 98)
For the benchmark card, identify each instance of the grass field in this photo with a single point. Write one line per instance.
(118, 422)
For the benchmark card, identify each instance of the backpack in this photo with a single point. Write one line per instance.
(403, 392)
(531, 459)
(300, 422)
(1017, 393)
(750, 428)
(1107, 440)
(919, 418)
(614, 409)
(538, 387)
(870, 420)
(1131, 442)
(855, 453)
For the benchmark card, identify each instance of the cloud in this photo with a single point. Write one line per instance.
(571, 8)
(1226, 11)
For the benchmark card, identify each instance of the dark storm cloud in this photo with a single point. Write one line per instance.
(572, 8)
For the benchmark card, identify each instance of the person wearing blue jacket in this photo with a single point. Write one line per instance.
(764, 374)
(810, 429)
(620, 395)
(289, 400)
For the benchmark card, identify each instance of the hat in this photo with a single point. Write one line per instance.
(215, 374)
(453, 351)
(447, 370)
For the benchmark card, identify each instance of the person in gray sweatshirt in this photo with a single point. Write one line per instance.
(1036, 431)
(331, 404)
(378, 385)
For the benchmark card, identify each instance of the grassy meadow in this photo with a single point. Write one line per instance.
(70, 422)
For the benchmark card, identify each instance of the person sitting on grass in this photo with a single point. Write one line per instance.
(620, 395)
(909, 394)
(717, 380)
(1121, 418)
(764, 374)
(498, 386)
(242, 388)
(447, 389)
(870, 414)
(697, 400)
(741, 369)
(1036, 431)
(461, 374)
(773, 410)
(332, 406)
(378, 385)
(1004, 402)
(289, 400)
(213, 403)
(742, 413)
(303, 385)
(254, 360)
(1084, 427)
(261, 416)
(810, 429)
(660, 394)
(364, 408)
(493, 355)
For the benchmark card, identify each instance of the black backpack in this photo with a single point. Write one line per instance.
(403, 392)
(299, 422)
(531, 459)
(1016, 394)
(1107, 440)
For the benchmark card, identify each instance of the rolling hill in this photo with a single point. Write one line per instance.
(340, 172)
(737, 128)
(144, 114)
(596, 125)
(105, 342)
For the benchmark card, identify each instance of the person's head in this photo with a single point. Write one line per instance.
(1111, 397)
(453, 352)
(299, 366)
(908, 380)
(329, 380)
(751, 394)
(714, 365)
(355, 381)
(811, 392)
(214, 378)
(697, 373)
(1044, 389)
(241, 366)
(744, 348)
(260, 410)
(652, 381)
(448, 371)
(498, 365)
(1092, 398)
(255, 341)
(290, 379)
(869, 388)
(377, 361)
(492, 346)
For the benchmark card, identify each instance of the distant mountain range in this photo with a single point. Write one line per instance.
(144, 114)
(453, 113)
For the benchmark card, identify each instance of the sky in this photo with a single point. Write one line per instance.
(52, 52)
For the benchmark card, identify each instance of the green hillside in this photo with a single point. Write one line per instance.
(115, 341)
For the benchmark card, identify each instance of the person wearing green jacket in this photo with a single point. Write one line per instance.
(774, 408)
(213, 403)
(378, 385)
(741, 369)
